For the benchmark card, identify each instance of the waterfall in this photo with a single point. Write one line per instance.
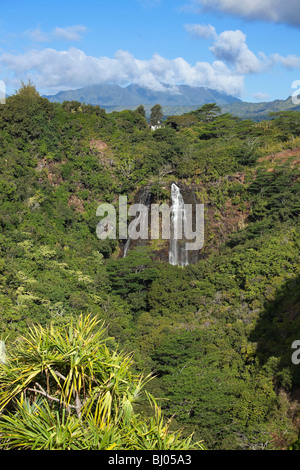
(178, 255)
(126, 247)
(145, 199)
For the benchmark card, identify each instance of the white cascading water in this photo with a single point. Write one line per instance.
(178, 255)
(126, 247)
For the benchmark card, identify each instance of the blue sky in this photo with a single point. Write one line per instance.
(248, 48)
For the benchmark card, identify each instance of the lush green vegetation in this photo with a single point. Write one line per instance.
(217, 334)
(66, 390)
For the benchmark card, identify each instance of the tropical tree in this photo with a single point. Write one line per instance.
(62, 388)
(208, 112)
(156, 114)
(141, 110)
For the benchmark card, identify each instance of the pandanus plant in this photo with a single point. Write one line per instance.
(63, 388)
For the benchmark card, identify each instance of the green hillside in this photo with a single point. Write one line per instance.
(260, 111)
(255, 111)
(217, 335)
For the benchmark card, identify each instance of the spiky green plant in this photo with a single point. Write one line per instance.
(64, 389)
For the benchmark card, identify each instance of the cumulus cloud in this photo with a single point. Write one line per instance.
(231, 46)
(59, 70)
(54, 70)
(277, 11)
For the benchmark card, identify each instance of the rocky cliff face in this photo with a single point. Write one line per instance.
(219, 222)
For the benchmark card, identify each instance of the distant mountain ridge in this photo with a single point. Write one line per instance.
(260, 111)
(117, 98)
(134, 95)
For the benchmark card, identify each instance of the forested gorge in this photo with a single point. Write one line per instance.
(217, 334)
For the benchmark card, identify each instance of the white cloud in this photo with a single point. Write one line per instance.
(68, 33)
(290, 61)
(261, 96)
(59, 70)
(37, 35)
(54, 70)
(278, 11)
(201, 30)
(231, 46)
